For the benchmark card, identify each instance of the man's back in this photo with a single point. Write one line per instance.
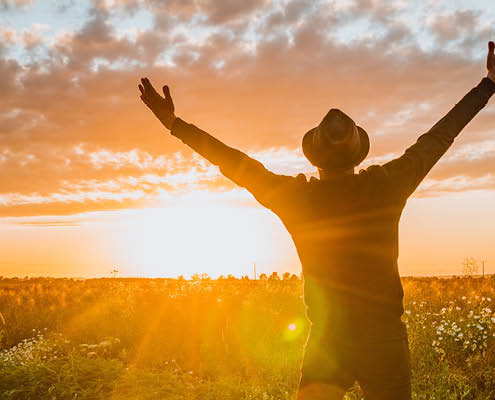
(346, 234)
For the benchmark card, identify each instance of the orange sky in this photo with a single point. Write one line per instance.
(89, 180)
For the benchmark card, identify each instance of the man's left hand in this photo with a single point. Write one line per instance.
(162, 107)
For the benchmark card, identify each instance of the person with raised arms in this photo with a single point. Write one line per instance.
(345, 227)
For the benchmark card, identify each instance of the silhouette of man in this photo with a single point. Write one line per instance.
(345, 228)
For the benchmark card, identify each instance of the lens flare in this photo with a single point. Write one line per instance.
(295, 330)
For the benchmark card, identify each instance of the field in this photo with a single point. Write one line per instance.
(218, 339)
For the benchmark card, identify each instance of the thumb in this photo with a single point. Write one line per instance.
(166, 92)
(491, 47)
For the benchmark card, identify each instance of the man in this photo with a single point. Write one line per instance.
(345, 228)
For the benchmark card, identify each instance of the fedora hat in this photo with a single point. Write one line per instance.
(337, 143)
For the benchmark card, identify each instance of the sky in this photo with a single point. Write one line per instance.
(90, 181)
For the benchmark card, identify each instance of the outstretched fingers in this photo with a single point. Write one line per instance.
(144, 95)
(149, 86)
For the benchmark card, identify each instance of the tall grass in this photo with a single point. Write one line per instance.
(225, 339)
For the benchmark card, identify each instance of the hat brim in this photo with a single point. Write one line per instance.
(358, 159)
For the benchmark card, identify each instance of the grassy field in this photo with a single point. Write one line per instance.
(218, 339)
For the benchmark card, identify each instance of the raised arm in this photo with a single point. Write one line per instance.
(234, 164)
(406, 172)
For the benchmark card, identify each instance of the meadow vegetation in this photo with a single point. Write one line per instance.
(218, 339)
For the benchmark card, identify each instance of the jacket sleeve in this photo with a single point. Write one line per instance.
(234, 164)
(406, 172)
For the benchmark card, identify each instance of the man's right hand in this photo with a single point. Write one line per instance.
(490, 61)
(162, 107)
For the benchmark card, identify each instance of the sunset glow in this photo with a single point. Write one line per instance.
(91, 182)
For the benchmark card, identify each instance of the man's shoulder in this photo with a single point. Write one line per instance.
(373, 170)
(374, 175)
(379, 185)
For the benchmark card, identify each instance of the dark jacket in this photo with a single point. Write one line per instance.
(345, 230)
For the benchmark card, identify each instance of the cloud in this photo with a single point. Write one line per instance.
(48, 224)
(14, 4)
(454, 25)
(257, 75)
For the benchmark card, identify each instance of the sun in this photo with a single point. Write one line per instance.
(198, 236)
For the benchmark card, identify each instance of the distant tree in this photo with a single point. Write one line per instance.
(221, 278)
(286, 276)
(294, 277)
(195, 277)
(231, 277)
(263, 277)
(245, 278)
(114, 272)
(470, 266)
(274, 276)
(205, 277)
